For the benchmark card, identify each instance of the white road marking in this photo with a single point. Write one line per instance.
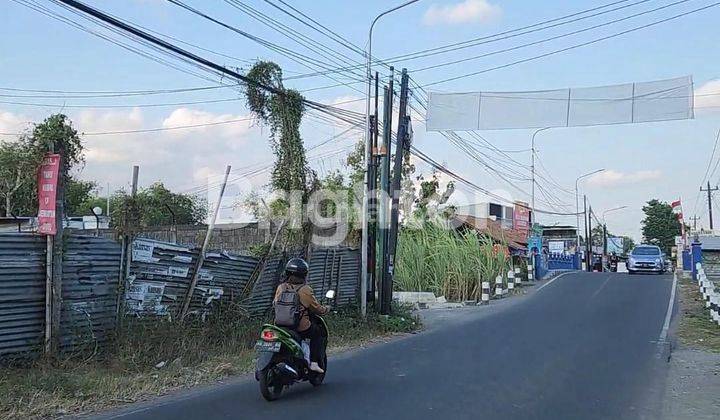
(668, 314)
(601, 287)
(555, 278)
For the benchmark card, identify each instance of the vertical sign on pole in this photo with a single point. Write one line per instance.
(47, 193)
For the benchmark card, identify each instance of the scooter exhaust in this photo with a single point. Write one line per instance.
(287, 370)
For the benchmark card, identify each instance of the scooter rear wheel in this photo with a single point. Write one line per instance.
(316, 379)
(268, 390)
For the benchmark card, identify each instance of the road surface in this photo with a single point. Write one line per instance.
(586, 345)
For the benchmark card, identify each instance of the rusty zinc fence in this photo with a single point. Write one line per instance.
(161, 272)
(91, 270)
(158, 281)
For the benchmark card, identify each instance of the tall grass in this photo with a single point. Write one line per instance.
(446, 262)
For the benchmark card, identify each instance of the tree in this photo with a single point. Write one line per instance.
(430, 197)
(79, 197)
(18, 168)
(155, 206)
(660, 226)
(19, 161)
(628, 244)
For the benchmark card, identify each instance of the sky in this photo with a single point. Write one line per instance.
(663, 160)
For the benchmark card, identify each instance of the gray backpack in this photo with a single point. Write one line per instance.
(288, 309)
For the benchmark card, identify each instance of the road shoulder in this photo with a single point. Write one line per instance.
(693, 381)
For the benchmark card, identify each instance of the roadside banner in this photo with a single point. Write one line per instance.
(556, 247)
(47, 193)
(521, 217)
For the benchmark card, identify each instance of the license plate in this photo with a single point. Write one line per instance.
(273, 346)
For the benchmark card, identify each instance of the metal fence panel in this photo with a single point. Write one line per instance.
(22, 293)
(91, 270)
(161, 272)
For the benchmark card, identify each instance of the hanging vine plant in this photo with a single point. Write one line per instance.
(282, 112)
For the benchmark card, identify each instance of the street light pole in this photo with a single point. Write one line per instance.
(368, 136)
(577, 200)
(532, 175)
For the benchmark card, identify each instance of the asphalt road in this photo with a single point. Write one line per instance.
(586, 345)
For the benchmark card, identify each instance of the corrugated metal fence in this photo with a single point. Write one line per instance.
(160, 275)
(91, 269)
(161, 272)
(22, 293)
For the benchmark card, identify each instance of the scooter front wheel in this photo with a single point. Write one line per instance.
(269, 390)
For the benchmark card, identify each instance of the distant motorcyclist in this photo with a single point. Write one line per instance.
(294, 302)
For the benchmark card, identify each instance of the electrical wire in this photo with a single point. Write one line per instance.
(572, 47)
(552, 38)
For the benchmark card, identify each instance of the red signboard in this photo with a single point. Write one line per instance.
(521, 217)
(47, 192)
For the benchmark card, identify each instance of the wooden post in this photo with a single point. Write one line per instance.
(57, 258)
(126, 256)
(203, 250)
(48, 293)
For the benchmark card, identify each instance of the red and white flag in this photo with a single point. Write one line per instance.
(675, 204)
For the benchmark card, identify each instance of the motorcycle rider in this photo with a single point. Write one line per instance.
(296, 271)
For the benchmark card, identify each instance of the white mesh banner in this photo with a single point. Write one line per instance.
(660, 100)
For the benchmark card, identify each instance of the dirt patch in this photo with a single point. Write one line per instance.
(696, 330)
(693, 384)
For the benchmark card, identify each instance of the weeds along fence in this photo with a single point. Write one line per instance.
(158, 281)
(447, 262)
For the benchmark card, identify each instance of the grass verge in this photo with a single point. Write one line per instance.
(154, 359)
(696, 329)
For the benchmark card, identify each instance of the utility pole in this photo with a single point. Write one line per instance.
(532, 175)
(372, 166)
(587, 236)
(402, 143)
(605, 243)
(107, 204)
(368, 68)
(694, 220)
(384, 151)
(589, 239)
(57, 251)
(709, 194)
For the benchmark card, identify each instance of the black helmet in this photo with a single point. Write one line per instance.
(297, 267)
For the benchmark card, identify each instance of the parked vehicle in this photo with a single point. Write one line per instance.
(646, 258)
(281, 360)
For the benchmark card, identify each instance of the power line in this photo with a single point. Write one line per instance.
(297, 57)
(329, 32)
(490, 38)
(583, 44)
(552, 38)
(204, 63)
(296, 36)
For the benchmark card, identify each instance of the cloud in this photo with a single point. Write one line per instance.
(611, 178)
(707, 96)
(225, 124)
(468, 11)
(12, 123)
(183, 159)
